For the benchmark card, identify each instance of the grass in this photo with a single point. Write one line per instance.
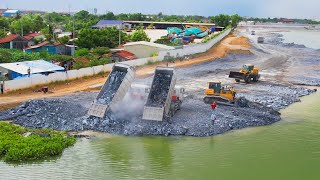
(14, 147)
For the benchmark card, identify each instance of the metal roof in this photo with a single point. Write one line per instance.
(172, 23)
(104, 23)
(38, 66)
(12, 11)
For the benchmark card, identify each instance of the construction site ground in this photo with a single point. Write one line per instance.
(284, 69)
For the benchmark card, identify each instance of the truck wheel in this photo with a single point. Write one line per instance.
(255, 79)
(237, 80)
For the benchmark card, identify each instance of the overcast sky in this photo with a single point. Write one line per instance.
(256, 8)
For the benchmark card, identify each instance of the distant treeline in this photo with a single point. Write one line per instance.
(277, 20)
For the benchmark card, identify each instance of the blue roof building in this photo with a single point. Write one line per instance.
(20, 69)
(111, 23)
(11, 13)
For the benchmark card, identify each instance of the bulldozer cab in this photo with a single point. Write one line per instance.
(248, 67)
(216, 86)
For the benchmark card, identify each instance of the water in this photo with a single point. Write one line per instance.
(289, 149)
(309, 38)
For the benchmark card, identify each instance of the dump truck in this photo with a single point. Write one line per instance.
(260, 40)
(220, 94)
(159, 104)
(113, 91)
(140, 92)
(247, 73)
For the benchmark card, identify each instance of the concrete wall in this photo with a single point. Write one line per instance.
(142, 51)
(73, 74)
(193, 49)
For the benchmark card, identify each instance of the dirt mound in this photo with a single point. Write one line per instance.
(241, 41)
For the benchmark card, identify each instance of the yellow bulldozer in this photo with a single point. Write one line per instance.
(221, 94)
(247, 73)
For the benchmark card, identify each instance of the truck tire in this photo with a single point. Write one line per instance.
(255, 79)
(237, 80)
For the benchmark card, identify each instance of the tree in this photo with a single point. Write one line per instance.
(82, 15)
(235, 19)
(64, 39)
(27, 23)
(108, 37)
(139, 35)
(109, 16)
(101, 51)
(221, 20)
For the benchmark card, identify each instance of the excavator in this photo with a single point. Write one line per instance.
(247, 73)
(224, 95)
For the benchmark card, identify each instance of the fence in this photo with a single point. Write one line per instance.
(73, 74)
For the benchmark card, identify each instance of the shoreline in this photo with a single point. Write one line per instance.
(260, 104)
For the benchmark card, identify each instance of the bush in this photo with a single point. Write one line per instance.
(101, 51)
(57, 57)
(82, 52)
(166, 41)
(101, 61)
(14, 147)
(14, 55)
(78, 65)
(139, 35)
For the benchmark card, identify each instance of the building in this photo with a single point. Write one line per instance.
(143, 49)
(165, 25)
(51, 48)
(287, 21)
(31, 38)
(10, 13)
(112, 23)
(20, 69)
(120, 56)
(14, 41)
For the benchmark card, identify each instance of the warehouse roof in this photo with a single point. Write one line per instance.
(38, 66)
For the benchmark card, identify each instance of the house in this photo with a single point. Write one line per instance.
(14, 41)
(143, 49)
(31, 38)
(10, 13)
(287, 21)
(20, 69)
(120, 56)
(51, 48)
(112, 23)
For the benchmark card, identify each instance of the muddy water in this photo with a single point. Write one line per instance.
(289, 149)
(310, 38)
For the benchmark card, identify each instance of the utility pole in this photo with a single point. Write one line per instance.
(21, 29)
(120, 35)
(73, 37)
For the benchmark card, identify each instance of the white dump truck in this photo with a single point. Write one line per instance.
(163, 101)
(113, 91)
(140, 92)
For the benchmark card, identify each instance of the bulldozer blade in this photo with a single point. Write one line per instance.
(219, 100)
(236, 75)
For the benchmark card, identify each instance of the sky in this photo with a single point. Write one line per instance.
(253, 8)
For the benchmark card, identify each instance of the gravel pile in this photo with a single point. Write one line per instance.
(114, 81)
(159, 90)
(192, 120)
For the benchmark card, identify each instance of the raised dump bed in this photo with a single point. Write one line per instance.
(159, 98)
(113, 90)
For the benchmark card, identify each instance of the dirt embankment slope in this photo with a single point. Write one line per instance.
(12, 99)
